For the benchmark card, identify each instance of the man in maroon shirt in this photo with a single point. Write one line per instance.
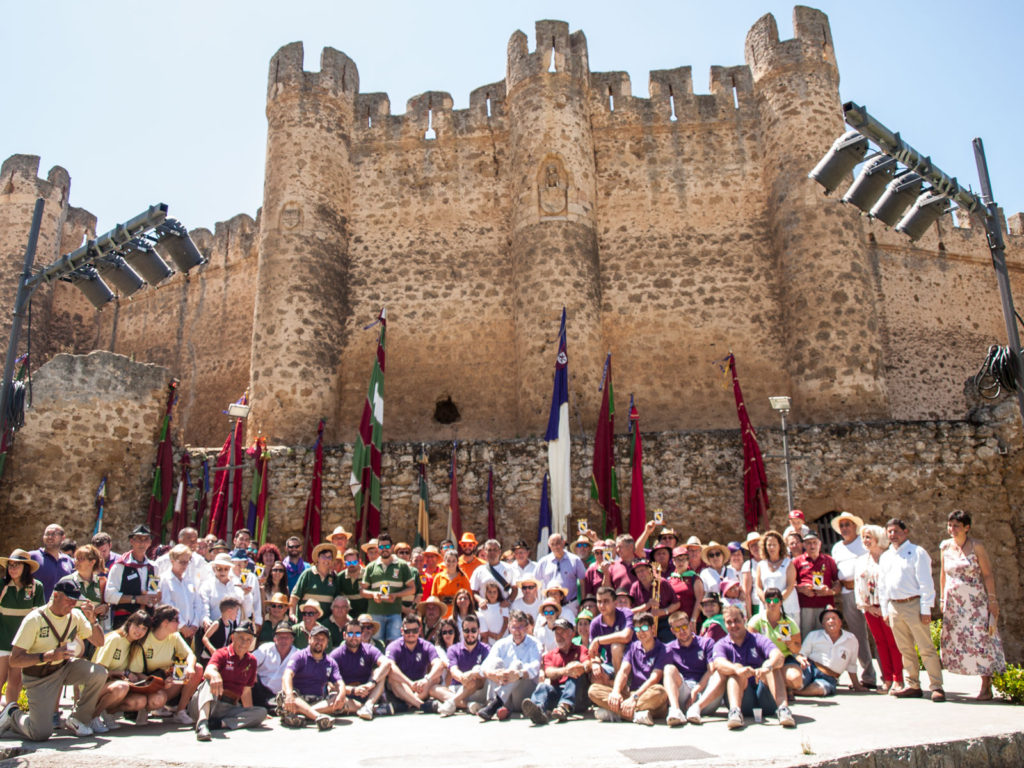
(817, 582)
(225, 697)
(563, 679)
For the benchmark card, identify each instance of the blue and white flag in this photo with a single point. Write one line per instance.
(544, 520)
(559, 441)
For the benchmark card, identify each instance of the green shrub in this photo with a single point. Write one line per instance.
(935, 629)
(1010, 684)
(22, 698)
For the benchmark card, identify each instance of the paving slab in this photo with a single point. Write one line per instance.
(847, 724)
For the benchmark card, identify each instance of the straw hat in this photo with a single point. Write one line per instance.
(529, 580)
(365, 618)
(421, 609)
(846, 516)
(693, 541)
(432, 550)
(339, 531)
(371, 544)
(752, 536)
(556, 588)
(223, 558)
(279, 598)
(325, 547)
(712, 546)
(312, 605)
(552, 602)
(20, 556)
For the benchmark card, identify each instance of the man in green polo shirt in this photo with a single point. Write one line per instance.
(386, 581)
(318, 583)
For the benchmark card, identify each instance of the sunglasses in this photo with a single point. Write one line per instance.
(272, 570)
(351, 563)
(644, 627)
(411, 631)
(309, 613)
(293, 546)
(715, 554)
(678, 627)
(403, 551)
(447, 631)
(549, 613)
(771, 600)
(353, 634)
(468, 631)
(366, 626)
(529, 587)
(384, 546)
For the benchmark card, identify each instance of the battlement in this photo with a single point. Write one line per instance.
(553, 40)
(430, 115)
(19, 175)
(811, 43)
(338, 73)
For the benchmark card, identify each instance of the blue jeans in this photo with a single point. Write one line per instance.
(759, 696)
(814, 675)
(549, 695)
(390, 626)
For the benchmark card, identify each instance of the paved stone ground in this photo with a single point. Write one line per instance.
(846, 724)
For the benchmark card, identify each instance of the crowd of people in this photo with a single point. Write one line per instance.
(650, 630)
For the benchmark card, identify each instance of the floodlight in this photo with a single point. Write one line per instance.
(926, 211)
(173, 243)
(89, 282)
(116, 270)
(898, 196)
(848, 150)
(143, 259)
(870, 182)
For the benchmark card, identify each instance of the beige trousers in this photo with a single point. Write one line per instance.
(909, 630)
(654, 699)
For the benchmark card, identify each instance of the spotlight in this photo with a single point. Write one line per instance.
(143, 259)
(870, 182)
(115, 269)
(848, 150)
(89, 282)
(173, 242)
(926, 211)
(898, 196)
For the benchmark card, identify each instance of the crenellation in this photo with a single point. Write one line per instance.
(370, 109)
(428, 115)
(765, 54)
(1015, 224)
(556, 52)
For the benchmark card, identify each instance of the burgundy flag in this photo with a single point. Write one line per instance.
(604, 485)
(637, 504)
(311, 522)
(755, 483)
(161, 497)
(222, 506)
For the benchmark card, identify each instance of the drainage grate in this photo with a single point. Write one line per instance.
(665, 754)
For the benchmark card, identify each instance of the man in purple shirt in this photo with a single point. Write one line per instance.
(691, 684)
(54, 565)
(311, 685)
(752, 667)
(294, 565)
(464, 662)
(416, 672)
(610, 632)
(637, 693)
(364, 672)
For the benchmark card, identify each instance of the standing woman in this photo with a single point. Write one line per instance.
(275, 582)
(866, 576)
(970, 643)
(449, 581)
(776, 569)
(19, 594)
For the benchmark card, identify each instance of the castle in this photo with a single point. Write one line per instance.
(674, 228)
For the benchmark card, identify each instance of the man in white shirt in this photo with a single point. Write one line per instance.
(198, 569)
(522, 567)
(825, 654)
(181, 591)
(512, 669)
(845, 553)
(563, 569)
(906, 595)
(271, 659)
(492, 570)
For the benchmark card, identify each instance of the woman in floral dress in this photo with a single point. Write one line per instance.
(970, 643)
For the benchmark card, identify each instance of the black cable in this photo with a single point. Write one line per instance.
(996, 373)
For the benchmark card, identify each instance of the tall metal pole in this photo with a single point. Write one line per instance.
(785, 459)
(229, 538)
(996, 245)
(20, 301)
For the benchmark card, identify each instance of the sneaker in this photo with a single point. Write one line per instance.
(735, 719)
(490, 709)
(503, 713)
(607, 716)
(786, 717)
(693, 714)
(164, 712)
(535, 713)
(181, 716)
(365, 712)
(560, 713)
(474, 707)
(76, 727)
(203, 731)
(446, 708)
(7, 717)
(98, 726)
(643, 717)
(675, 716)
(324, 723)
(909, 693)
(430, 707)
(110, 720)
(384, 708)
(142, 717)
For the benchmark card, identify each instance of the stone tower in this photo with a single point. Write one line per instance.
(833, 348)
(554, 222)
(302, 287)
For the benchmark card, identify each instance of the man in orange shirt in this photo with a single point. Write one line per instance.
(469, 562)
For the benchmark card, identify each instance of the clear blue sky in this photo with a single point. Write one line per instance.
(164, 102)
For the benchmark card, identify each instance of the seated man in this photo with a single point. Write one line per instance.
(512, 669)
(563, 672)
(416, 672)
(692, 686)
(465, 661)
(225, 695)
(826, 654)
(311, 687)
(364, 671)
(637, 693)
(611, 632)
(752, 668)
(271, 659)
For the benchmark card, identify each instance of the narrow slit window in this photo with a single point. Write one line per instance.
(735, 95)
(488, 105)
(369, 119)
(431, 133)
(552, 67)
(611, 100)
(672, 104)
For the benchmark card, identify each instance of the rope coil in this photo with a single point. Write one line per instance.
(996, 373)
